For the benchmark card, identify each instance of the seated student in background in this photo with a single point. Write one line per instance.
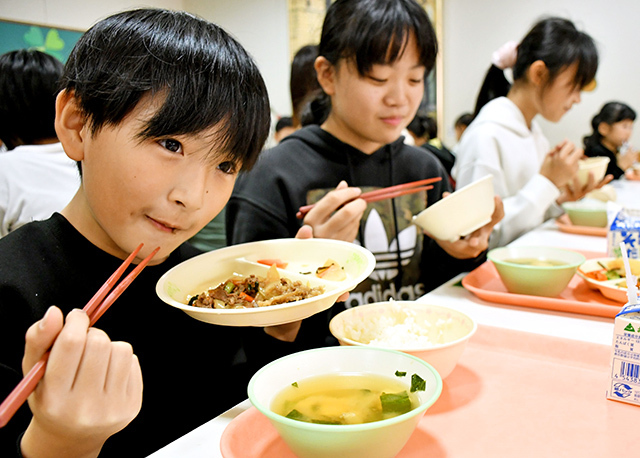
(372, 75)
(152, 173)
(36, 176)
(303, 82)
(284, 127)
(612, 129)
(424, 130)
(461, 124)
(554, 63)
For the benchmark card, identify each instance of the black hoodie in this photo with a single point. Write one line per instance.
(309, 163)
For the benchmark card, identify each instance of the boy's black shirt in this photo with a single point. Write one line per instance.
(192, 371)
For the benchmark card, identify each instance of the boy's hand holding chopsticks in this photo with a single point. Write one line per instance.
(93, 386)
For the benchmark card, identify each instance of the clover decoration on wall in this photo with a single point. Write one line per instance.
(52, 43)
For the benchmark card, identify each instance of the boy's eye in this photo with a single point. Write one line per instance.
(377, 80)
(227, 167)
(172, 145)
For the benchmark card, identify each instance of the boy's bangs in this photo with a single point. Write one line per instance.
(205, 77)
(211, 87)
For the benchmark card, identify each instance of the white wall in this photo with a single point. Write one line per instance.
(75, 14)
(262, 26)
(474, 29)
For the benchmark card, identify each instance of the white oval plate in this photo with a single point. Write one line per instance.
(210, 269)
(610, 289)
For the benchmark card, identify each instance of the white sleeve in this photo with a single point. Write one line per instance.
(479, 156)
(4, 203)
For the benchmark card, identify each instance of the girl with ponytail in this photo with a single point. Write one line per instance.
(552, 64)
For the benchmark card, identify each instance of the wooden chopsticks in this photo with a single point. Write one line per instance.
(385, 193)
(95, 308)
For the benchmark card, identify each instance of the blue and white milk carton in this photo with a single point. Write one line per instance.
(623, 226)
(624, 380)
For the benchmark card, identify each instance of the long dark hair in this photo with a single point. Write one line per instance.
(611, 113)
(368, 33)
(303, 84)
(556, 42)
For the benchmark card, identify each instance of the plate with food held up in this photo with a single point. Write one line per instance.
(265, 283)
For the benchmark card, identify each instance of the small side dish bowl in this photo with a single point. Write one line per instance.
(298, 260)
(587, 212)
(460, 213)
(536, 271)
(433, 333)
(595, 165)
(378, 439)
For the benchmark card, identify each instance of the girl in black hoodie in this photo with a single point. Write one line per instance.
(373, 58)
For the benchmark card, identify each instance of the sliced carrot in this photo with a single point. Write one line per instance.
(246, 297)
(270, 262)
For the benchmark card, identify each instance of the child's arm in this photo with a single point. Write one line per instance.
(92, 387)
(337, 215)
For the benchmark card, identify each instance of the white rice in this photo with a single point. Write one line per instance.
(400, 329)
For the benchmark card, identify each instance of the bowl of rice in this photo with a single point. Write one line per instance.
(433, 333)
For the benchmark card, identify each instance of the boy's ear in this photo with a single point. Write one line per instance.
(538, 73)
(326, 74)
(70, 124)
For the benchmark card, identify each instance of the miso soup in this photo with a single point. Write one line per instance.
(345, 399)
(536, 262)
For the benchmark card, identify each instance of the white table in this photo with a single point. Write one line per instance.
(205, 440)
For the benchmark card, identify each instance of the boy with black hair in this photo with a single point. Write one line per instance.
(161, 109)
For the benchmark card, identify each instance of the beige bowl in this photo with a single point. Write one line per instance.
(460, 213)
(433, 333)
(594, 165)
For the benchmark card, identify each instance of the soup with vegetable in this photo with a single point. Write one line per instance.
(538, 262)
(347, 399)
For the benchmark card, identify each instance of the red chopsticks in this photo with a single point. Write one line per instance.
(95, 308)
(385, 193)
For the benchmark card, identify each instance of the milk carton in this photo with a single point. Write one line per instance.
(624, 379)
(623, 226)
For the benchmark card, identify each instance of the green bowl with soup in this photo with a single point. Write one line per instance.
(535, 271)
(356, 402)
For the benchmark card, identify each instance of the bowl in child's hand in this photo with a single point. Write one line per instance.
(535, 271)
(460, 213)
(434, 333)
(314, 437)
(597, 166)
